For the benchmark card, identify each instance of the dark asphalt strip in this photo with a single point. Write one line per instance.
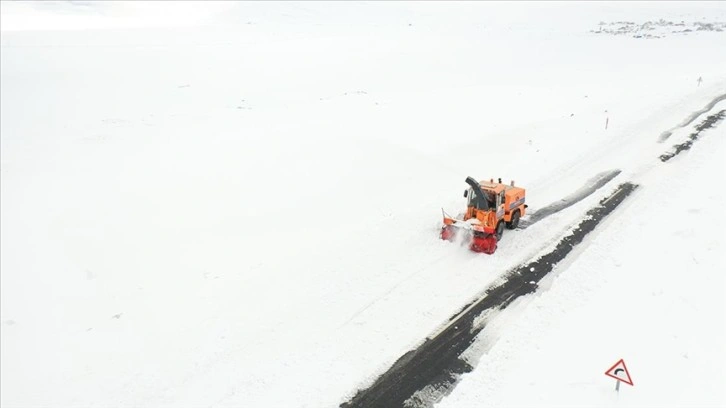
(707, 123)
(436, 362)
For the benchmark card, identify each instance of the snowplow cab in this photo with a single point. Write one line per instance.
(491, 206)
(501, 202)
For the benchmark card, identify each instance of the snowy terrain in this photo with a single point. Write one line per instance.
(645, 290)
(239, 203)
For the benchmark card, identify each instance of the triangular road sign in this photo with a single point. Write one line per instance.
(620, 372)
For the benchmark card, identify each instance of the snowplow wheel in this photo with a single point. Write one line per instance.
(500, 230)
(514, 223)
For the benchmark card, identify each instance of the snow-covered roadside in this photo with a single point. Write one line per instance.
(649, 288)
(249, 215)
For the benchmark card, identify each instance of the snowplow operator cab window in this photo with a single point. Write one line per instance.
(491, 201)
(475, 201)
(477, 197)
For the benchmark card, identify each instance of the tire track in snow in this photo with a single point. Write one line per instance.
(590, 187)
(709, 122)
(430, 371)
(665, 135)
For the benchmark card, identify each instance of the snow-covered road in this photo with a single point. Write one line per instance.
(649, 289)
(424, 375)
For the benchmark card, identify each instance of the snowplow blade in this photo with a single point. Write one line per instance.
(486, 244)
(448, 232)
(477, 241)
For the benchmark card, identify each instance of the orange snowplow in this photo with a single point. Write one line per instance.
(491, 206)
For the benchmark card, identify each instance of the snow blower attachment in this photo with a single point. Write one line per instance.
(490, 207)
